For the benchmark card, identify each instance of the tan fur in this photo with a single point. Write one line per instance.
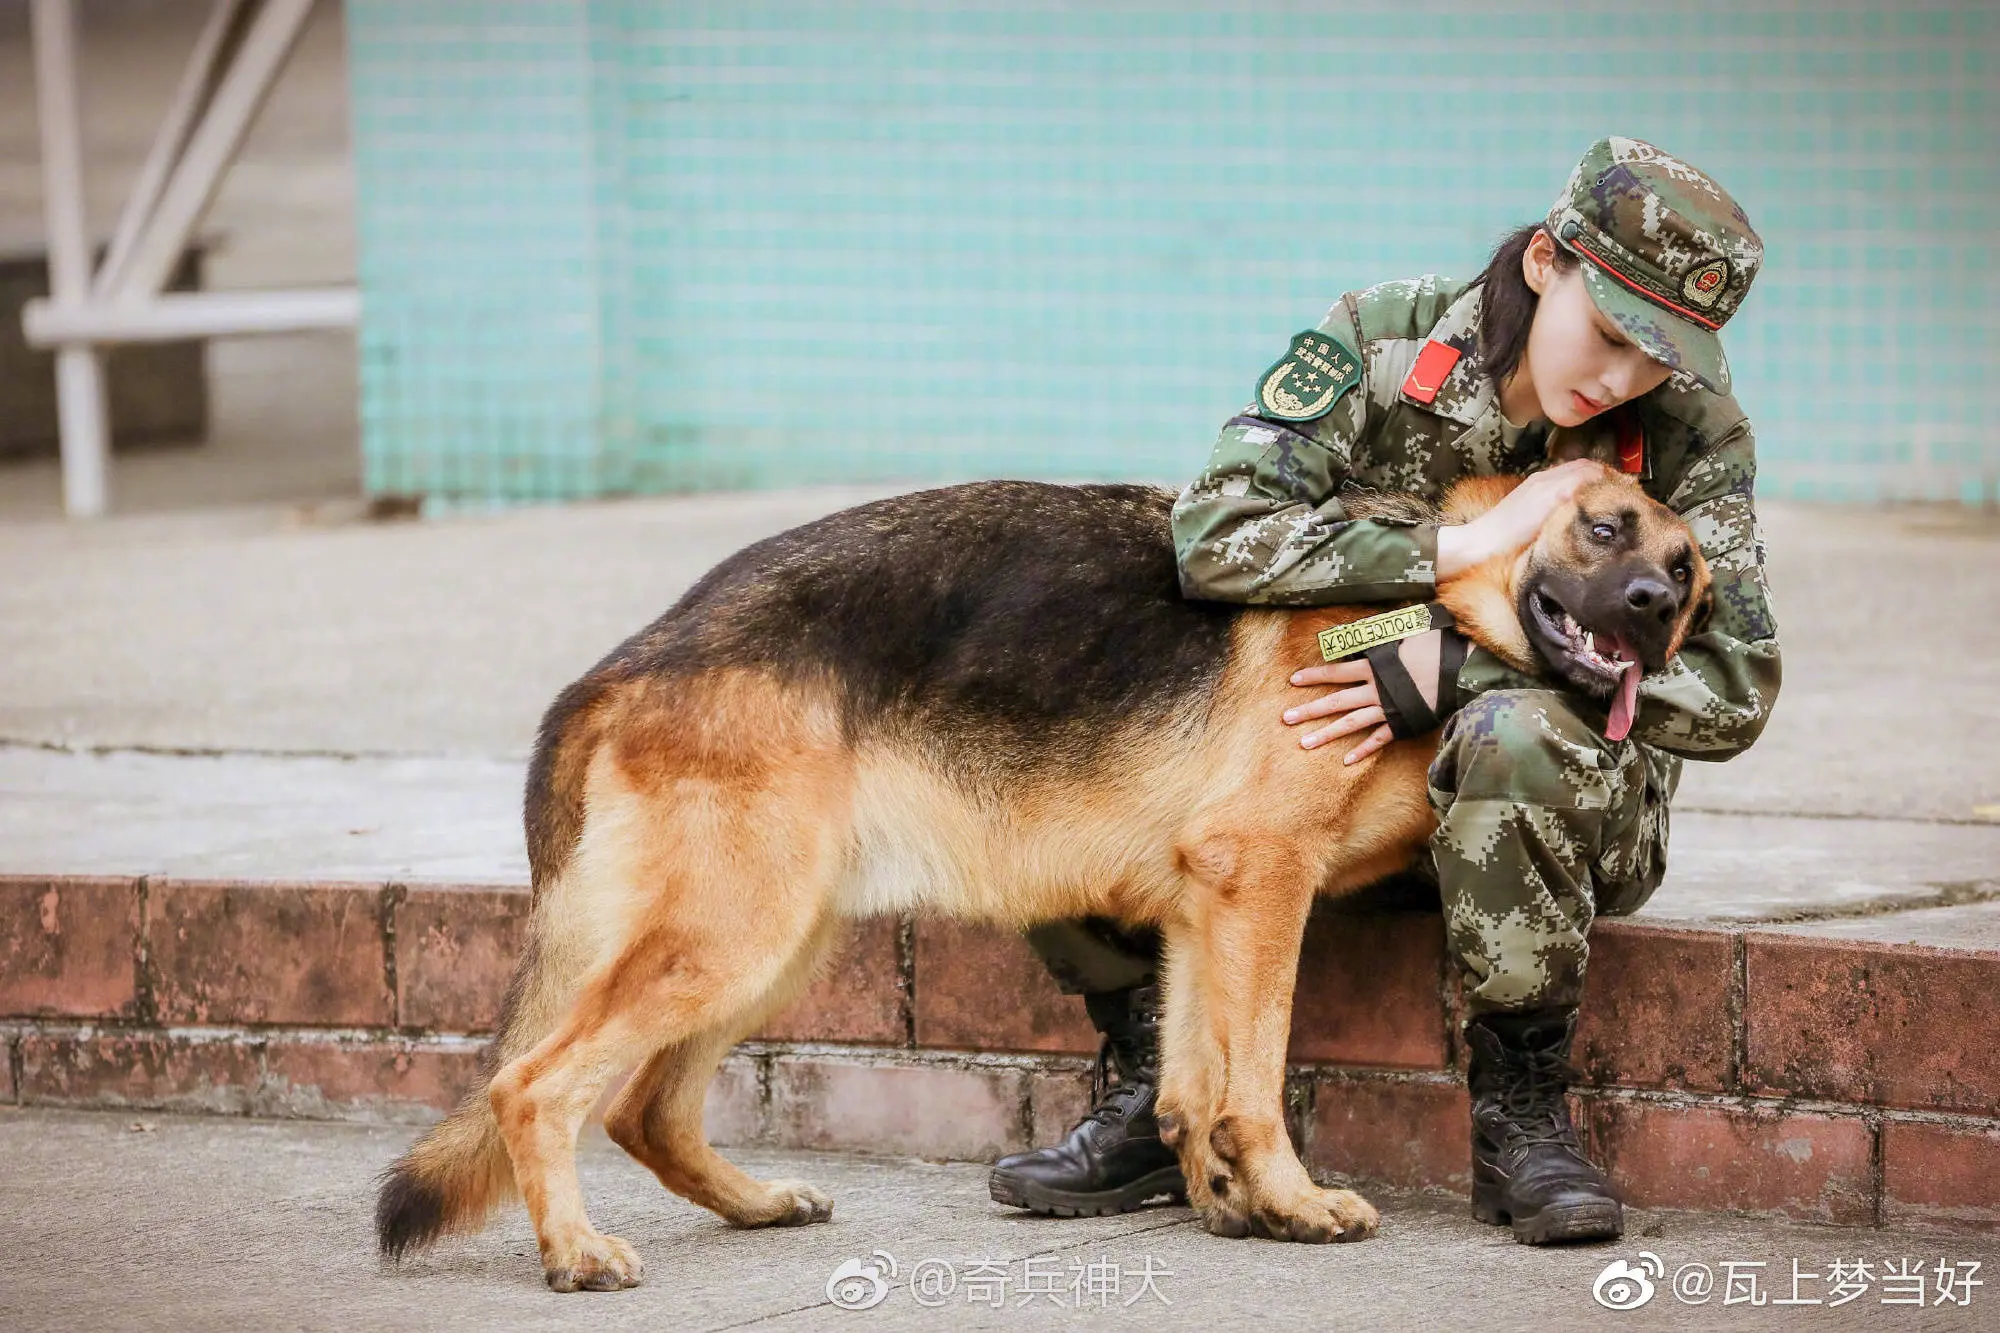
(728, 831)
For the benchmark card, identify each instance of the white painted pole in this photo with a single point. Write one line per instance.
(174, 316)
(81, 407)
(197, 84)
(211, 148)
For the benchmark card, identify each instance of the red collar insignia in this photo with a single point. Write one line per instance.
(1631, 445)
(1427, 375)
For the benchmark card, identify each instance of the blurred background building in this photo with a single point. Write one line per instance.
(611, 246)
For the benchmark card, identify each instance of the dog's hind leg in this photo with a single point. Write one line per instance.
(719, 876)
(658, 1119)
(667, 999)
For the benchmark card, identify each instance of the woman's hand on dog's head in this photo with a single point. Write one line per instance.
(1516, 520)
(1507, 527)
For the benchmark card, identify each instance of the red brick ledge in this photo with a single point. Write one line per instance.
(315, 1074)
(1813, 1161)
(1829, 1079)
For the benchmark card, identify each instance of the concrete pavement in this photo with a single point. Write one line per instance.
(117, 1221)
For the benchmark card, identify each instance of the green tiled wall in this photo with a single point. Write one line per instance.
(613, 245)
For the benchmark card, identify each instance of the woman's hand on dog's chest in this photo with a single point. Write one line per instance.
(1356, 705)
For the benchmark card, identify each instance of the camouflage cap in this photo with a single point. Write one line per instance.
(1667, 255)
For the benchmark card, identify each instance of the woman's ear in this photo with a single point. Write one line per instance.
(1538, 261)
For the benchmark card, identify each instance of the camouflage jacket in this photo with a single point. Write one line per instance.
(1263, 522)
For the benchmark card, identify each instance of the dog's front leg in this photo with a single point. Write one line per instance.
(1191, 1081)
(1250, 904)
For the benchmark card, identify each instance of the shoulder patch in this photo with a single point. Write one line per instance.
(1309, 378)
(1427, 375)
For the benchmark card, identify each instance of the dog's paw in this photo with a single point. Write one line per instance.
(799, 1204)
(1315, 1217)
(1229, 1223)
(593, 1262)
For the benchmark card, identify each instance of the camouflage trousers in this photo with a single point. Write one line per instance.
(1543, 825)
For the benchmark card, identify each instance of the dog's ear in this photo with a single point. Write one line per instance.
(1704, 611)
(1568, 443)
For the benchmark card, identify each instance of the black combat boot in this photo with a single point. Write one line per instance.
(1527, 1168)
(1113, 1160)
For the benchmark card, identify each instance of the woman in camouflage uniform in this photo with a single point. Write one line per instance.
(1599, 319)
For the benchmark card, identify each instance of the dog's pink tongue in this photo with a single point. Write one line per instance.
(1626, 702)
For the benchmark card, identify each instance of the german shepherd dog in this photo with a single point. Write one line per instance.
(991, 701)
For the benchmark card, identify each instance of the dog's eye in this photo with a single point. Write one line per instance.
(1682, 573)
(1604, 532)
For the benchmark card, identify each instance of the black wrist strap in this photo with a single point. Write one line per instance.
(1403, 706)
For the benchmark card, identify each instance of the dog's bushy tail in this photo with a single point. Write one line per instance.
(453, 1178)
(450, 1181)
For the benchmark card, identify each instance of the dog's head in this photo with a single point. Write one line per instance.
(1614, 577)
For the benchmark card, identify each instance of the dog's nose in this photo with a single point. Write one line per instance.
(1650, 596)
